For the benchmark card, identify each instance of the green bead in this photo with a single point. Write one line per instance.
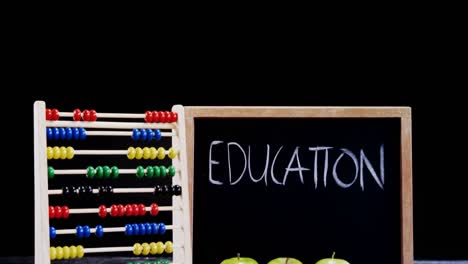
(157, 262)
(99, 172)
(140, 172)
(165, 262)
(115, 172)
(149, 172)
(157, 171)
(107, 172)
(90, 172)
(148, 262)
(163, 171)
(171, 171)
(50, 172)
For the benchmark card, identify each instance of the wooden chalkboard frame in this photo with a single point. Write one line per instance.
(404, 113)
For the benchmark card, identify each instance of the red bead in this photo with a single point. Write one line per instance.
(156, 116)
(92, 115)
(148, 116)
(58, 212)
(175, 116)
(128, 210)
(48, 114)
(154, 209)
(55, 114)
(51, 212)
(114, 211)
(86, 115)
(102, 211)
(120, 210)
(162, 117)
(142, 209)
(170, 118)
(136, 210)
(65, 212)
(77, 114)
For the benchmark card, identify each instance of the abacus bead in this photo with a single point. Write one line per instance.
(168, 247)
(146, 249)
(55, 114)
(82, 133)
(142, 229)
(55, 133)
(73, 252)
(56, 152)
(162, 228)
(161, 153)
(66, 252)
(99, 231)
(102, 211)
(154, 228)
(156, 116)
(172, 153)
(175, 117)
(65, 212)
(154, 209)
(62, 133)
(131, 153)
(92, 115)
(170, 117)
(79, 251)
(99, 172)
(165, 262)
(90, 172)
(157, 171)
(48, 114)
(160, 247)
(79, 231)
(50, 153)
(76, 133)
(128, 230)
(63, 152)
(166, 190)
(136, 134)
(114, 211)
(143, 135)
(153, 248)
(148, 117)
(137, 249)
(58, 211)
(176, 190)
(49, 133)
(50, 172)
(146, 153)
(128, 210)
(120, 210)
(52, 232)
(157, 134)
(150, 134)
(141, 209)
(69, 133)
(86, 231)
(68, 191)
(163, 171)
(53, 253)
(70, 152)
(115, 172)
(86, 115)
(148, 228)
(162, 116)
(138, 153)
(158, 190)
(107, 172)
(136, 210)
(109, 189)
(153, 153)
(76, 115)
(140, 172)
(171, 171)
(149, 172)
(136, 229)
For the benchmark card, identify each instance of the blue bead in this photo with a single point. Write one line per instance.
(136, 134)
(155, 228)
(162, 228)
(69, 133)
(142, 229)
(50, 135)
(157, 134)
(76, 133)
(99, 231)
(86, 231)
(79, 231)
(82, 133)
(52, 232)
(144, 135)
(62, 133)
(148, 228)
(150, 134)
(128, 230)
(56, 133)
(136, 230)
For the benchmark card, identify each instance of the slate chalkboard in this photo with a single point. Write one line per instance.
(301, 182)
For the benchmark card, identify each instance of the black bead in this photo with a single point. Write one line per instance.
(167, 190)
(102, 190)
(176, 190)
(109, 189)
(68, 191)
(158, 190)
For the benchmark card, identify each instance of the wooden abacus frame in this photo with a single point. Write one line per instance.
(180, 218)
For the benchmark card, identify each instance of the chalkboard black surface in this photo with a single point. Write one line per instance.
(301, 182)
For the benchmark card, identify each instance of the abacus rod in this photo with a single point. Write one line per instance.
(105, 152)
(110, 125)
(84, 171)
(121, 133)
(105, 230)
(107, 115)
(116, 190)
(96, 210)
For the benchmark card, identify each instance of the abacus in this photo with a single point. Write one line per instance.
(149, 189)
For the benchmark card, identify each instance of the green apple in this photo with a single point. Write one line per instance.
(332, 260)
(285, 261)
(239, 260)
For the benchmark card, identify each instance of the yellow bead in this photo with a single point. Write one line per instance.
(153, 248)
(160, 247)
(56, 152)
(59, 252)
(50, 153)
(66, 252)
(53, 253)
(172, 153)
(63, 152)
(168, 247)
(79, 251)
(146, 153)
(146, 248)
(131, 153)
(73, 252)
(139, 153)
(137, 249)
(153, 153)
(161, 153)
(70, 153)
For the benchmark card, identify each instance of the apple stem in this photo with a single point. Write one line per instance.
(238, 256)
(287, 259)
(333, 255)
